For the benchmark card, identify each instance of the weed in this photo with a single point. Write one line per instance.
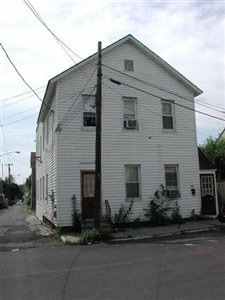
(176, 216)
(93, 235)
(158, 208)
(123, 215)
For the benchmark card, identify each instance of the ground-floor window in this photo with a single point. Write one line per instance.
(172, 181)
(132, 181)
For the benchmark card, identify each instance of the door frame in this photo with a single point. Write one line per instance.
(213, 174)
(82, 172)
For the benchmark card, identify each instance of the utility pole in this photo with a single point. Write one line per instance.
(9, 180)
(98, 104)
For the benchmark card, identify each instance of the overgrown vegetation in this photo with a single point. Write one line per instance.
(176, 215)
(92, 235)
(158, 208)
(123, 216)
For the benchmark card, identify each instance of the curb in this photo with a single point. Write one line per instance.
(116, 240)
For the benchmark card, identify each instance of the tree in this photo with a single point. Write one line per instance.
(214, 149)
(28, 183)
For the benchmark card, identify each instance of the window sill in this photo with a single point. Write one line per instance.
(130, 129)
(88, 128)
(133, 199)
(169, 131)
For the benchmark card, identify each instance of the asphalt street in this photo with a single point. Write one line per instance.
(192, 267)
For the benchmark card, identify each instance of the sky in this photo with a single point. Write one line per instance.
(189, 35)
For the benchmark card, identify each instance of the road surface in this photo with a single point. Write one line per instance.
(187, 268)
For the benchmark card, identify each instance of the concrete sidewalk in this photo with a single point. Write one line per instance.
(128, 234)
(163, 231)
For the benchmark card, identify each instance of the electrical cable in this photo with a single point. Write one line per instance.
(16, 96)
(77, 112)
(60, 42)
(157, 114)
(151, 94)
(17, 101)
(37, 15)
(69, 111)
(17, 121)
(20, 75)
(159, 88)
(19, 113)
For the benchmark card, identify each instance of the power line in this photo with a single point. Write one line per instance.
(16, 96)
(59, 41)
(156, 113)
(69, 111)
(151, 94)
(159, 88)
(212, 106)
(77, 112)
(20, 100)
(20, 120)
(20, 75)
(19, 113)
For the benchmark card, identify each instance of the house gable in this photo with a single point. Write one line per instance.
(127, 39)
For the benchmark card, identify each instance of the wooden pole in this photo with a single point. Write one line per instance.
(98, 103)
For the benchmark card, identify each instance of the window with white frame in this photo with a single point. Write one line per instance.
(172, 181)
(130, 113)
(168, 115)
(207, 185)
(132, 182)
(128, 65)
(89, 110)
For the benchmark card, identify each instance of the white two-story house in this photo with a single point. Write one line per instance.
(148, 135)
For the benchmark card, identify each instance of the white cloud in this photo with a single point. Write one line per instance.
(188, 35)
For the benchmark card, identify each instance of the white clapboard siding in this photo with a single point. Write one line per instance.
(149, 146)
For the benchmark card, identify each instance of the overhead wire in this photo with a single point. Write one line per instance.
(22, 94)
(17, 101)
(60, 42)
(154, 95)
(20, 75)
(70, 111)
(79, 110)
(19, 113)
(159, 88)
(20, 120)
(156, 113)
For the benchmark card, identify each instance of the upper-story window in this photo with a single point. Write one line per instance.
(128, 65)
(168, 115)
(89, 110)
(129, 113)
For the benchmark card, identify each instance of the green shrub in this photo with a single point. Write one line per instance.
(158, 208)
(93, 235)
(176, 216)
(123, 215)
